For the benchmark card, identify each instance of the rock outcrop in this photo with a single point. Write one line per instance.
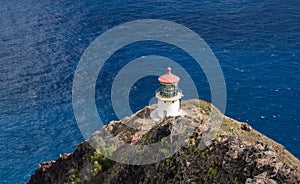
(216, 149)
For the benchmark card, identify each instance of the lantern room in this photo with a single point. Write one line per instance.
(168, 96)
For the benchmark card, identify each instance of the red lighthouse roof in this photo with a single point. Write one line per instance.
(168, 78)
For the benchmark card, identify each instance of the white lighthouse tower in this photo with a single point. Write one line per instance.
(168, 96)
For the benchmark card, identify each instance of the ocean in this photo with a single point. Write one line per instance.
(257, 44)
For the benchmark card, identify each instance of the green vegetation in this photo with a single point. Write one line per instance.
(146, 138)
(198, 149)
(206, 107)
(191, 141)
(235, 181)
(139, 149)
(74, 177)
(168, 165)
(212, 171)
(164, 151)
(108, 150)
(99, 165)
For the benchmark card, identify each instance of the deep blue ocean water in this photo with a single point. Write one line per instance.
(257, 44)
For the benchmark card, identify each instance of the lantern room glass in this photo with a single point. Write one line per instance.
(168, 90)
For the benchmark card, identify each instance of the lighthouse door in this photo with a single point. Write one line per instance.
(165, 113)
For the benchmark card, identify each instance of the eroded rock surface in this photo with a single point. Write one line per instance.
(217, 150)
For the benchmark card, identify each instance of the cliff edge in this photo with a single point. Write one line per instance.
(216, 149)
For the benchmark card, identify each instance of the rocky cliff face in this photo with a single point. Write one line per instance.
(214, 151)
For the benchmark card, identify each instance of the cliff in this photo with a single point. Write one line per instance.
(215, 149)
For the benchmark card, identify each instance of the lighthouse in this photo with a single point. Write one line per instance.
(168, 96)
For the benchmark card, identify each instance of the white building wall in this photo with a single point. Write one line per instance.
(171, 109)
